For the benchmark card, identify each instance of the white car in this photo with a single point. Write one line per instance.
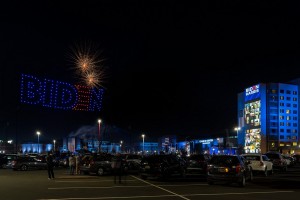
(259, 163)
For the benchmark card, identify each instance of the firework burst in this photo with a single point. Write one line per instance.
(88, 65)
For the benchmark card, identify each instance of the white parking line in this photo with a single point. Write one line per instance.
(178, 195)
(170, 195)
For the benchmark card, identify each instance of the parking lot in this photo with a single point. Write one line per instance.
(35, 185)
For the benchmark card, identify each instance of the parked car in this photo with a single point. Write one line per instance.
(196, 164)
(25, 163)
(132, 163)
(259, 163)
(96, 164)
(278, 161)
(8, 158)
(162, 166)
(297, 158)
(290, 160)
(229, 168)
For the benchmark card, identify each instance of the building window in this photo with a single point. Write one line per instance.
(281, 130)
(281, 137)
(281, 110)
(288, 91)
(281, 144)
(281, 97)
(281, 117)
(288, 130)
(295, 118)
(281, 91)
(281, 104)
(274, 91)
(288, 124)
(294, 124)
(288, 118)
(294, 111)
(294, 105)
(288, 98)
(295, 92)
(273, 130)
(287, 111)
(294, 143)
(288, 105)
(281, 123)
(294, 131)
(294, 99)
(294, 137)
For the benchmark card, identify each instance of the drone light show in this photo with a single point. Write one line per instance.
(59, 95)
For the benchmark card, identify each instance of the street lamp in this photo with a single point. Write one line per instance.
(54, 144)
(121, 142)
(143, 136)
(237, 131)
(38, 133)
(99, 122)
(237, 134)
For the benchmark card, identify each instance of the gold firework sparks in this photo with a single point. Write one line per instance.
(88, 65)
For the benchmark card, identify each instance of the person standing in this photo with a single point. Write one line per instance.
(72, 164)
(116, 165)
(50, 165)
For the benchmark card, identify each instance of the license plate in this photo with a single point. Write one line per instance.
(222, 170)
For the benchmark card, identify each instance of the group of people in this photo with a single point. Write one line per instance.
(74, 162)
(117, 166)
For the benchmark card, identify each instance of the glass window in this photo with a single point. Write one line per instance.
(294, 99)
(281, 97)
(288, 91)
(281, 91)
(294, 111)
(288, 98)
(288, 118)
(281, 137)
(288, 111)
(281, 130)
(294, 105)
(288, 105)
(295, 92)
(281, 104)
(281, 117)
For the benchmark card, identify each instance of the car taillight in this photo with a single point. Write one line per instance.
(238, 168)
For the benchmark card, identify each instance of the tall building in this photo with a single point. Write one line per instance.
(268, 117)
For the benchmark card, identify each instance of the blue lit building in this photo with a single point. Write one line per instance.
(268, 115)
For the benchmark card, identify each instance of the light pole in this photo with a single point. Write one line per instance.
(237, 134)
(121, 142)
(143, 136)
(99, 122)
(54, 145)
(38, 133)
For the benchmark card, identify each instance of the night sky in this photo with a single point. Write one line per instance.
(172, 67)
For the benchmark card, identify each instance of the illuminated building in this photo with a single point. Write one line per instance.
(268, 117)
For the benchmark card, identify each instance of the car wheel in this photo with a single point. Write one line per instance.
(24, 167)
(266, 172)
(100, 171)
(242, 182)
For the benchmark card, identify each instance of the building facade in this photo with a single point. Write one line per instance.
(268, 117)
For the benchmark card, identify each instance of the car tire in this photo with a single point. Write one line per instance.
(100, 171)
(242, 182)
(24, 167)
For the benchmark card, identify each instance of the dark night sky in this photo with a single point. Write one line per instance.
(173, 67)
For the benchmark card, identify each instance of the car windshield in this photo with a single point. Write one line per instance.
(252, 157)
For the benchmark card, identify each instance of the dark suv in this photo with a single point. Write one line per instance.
(162, 166)
(96, 164)
(277, 160)
(229, 168)
(197, 164)
(25, 163)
